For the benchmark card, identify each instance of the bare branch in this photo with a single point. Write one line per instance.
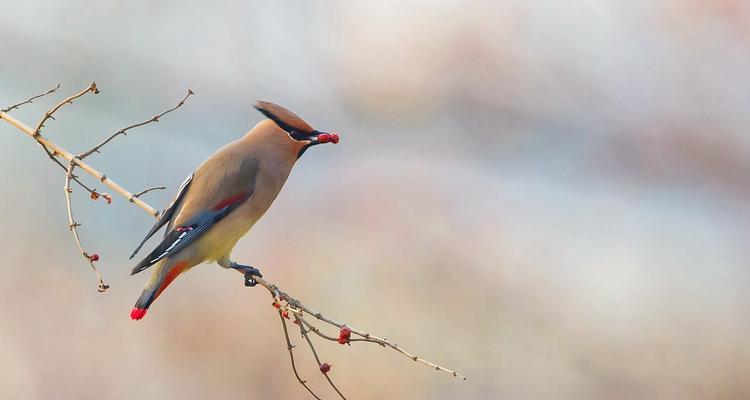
(31, 100)
(49, 114)
(297, 305)
(73, 225)
(123, 131)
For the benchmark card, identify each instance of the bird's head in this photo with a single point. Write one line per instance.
(298, 133)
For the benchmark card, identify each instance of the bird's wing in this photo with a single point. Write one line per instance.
(221, 184)
(167, 214)
(181, 236)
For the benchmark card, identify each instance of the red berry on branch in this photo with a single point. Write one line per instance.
(285, 314)
(94, 195)
(325, 367)
(344, 335)
(94, 257)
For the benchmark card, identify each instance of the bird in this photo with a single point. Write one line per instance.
(223, 198)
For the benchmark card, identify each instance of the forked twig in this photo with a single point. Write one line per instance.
(68, 100)
(290, 348)
(50, 154)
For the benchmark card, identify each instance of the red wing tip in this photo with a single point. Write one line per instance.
(138, 313)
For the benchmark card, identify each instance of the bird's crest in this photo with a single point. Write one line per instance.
(284, 118)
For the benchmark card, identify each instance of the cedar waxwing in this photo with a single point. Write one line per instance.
(223, 198)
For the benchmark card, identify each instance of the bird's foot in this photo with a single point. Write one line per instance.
(249, 271)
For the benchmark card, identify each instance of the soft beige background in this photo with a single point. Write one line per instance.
(551, 197)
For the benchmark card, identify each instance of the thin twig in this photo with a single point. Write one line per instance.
(69, 100)
(289, 347)
(142, 192)
(123, 131)
(303, 331)
(30, 100)
(73, 225)
(317, 331)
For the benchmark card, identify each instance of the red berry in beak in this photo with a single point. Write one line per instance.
(324, 138)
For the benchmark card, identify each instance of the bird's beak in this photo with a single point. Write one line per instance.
(317, 138)
(323, 137)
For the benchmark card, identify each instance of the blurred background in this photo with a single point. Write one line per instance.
(550, 197)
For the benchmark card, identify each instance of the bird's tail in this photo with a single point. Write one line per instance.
(164, 273)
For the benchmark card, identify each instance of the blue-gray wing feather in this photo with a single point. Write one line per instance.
(167, 214)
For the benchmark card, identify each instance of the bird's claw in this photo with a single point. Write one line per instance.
(249, 274)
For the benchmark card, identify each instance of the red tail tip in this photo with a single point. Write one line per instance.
(138, 313)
